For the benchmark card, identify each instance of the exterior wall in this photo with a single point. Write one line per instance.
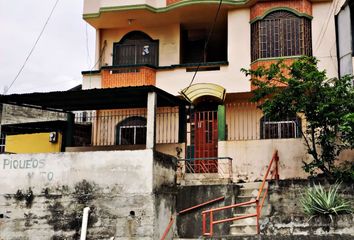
(251, 158)
(32, 143)
(324, 37)
(45, 198)
(168, 36)
(288, 219)
(91, 81)
(144, 76)
(229, 77)
(13, 114)
(261, 8)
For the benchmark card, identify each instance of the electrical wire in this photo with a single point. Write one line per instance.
(33, 47)
(207, 41)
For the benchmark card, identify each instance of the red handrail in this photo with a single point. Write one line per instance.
(167, 229)
(201, 205)
(259, 201)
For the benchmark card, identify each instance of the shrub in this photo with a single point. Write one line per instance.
(316, 201)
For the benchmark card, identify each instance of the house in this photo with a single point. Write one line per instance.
(166, 99)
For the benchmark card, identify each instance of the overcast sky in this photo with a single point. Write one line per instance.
(61, 53)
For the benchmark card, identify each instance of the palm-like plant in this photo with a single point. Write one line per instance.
(317, 201)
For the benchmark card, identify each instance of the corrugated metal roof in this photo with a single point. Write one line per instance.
(94, 99)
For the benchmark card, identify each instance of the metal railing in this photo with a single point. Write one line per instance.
(247, 122)
(213, 167)
(124, 127)
(259, 202)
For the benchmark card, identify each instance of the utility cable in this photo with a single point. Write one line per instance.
(32, 49)
(207, 41)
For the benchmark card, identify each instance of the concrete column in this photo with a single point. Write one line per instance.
(98, 50)
(151, 120)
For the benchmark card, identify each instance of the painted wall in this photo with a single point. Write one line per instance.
(168, 36)
(43, 195)
(251, 158)
(324, 36)
(229, 77)
(32, 143)
(91, 81)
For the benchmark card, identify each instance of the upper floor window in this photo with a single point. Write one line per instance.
(280, 34)
(131, 131)
(285, 128)
(136, 48)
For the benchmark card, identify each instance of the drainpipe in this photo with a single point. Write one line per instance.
(84, 223)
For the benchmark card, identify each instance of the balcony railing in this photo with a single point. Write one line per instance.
(124, 127)
(247, 122)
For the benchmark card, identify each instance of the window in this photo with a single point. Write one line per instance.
(279, 34)
(287, 128)
(136, 48)
(131, 131)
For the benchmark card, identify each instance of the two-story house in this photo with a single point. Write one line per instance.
(167, 81)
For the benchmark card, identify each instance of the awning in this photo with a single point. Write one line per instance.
(94, 99)
(198, 90)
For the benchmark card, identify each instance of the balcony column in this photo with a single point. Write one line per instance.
(151, 120)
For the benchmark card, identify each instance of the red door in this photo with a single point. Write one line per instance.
(206, 142)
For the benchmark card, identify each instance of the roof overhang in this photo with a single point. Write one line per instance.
(94, 99)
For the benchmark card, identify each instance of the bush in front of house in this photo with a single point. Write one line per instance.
(317, 201)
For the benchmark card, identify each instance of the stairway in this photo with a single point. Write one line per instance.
(248, 226)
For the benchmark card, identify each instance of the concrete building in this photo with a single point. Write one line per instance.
(145, 121)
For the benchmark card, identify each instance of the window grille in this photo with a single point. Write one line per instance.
(280, 34)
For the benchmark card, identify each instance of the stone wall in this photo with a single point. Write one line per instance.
(42, 196)
(288, 219)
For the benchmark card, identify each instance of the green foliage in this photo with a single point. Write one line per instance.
(317, 201)
(328, 105)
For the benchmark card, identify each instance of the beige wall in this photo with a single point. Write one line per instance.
(168, 36)
(251, 158)
(324, 36)
(229, 77)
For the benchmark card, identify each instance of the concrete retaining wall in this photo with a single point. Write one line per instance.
(42, 195)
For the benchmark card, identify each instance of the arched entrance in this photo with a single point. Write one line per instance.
(202, 126)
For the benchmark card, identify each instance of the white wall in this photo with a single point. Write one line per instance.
(324, 36)
(129, 170)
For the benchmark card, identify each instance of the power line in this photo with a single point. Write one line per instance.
(207, 42)
(32, 49)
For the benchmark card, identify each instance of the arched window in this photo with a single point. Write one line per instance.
(131, 131)
(280, 34)
(136, 48)
(284, 128)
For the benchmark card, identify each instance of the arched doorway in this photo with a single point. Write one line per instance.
(202, 126)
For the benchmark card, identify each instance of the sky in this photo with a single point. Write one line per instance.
(65, 49)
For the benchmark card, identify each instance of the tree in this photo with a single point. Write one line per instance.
(326, 103)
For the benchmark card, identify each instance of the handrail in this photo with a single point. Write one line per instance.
(167, 229)
(201, 205)
(259, 201)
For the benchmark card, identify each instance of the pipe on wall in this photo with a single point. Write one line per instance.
(84, 223)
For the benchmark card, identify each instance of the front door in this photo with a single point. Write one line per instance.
(205, 138)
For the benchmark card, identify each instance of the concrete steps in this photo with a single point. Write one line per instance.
(248, 226)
